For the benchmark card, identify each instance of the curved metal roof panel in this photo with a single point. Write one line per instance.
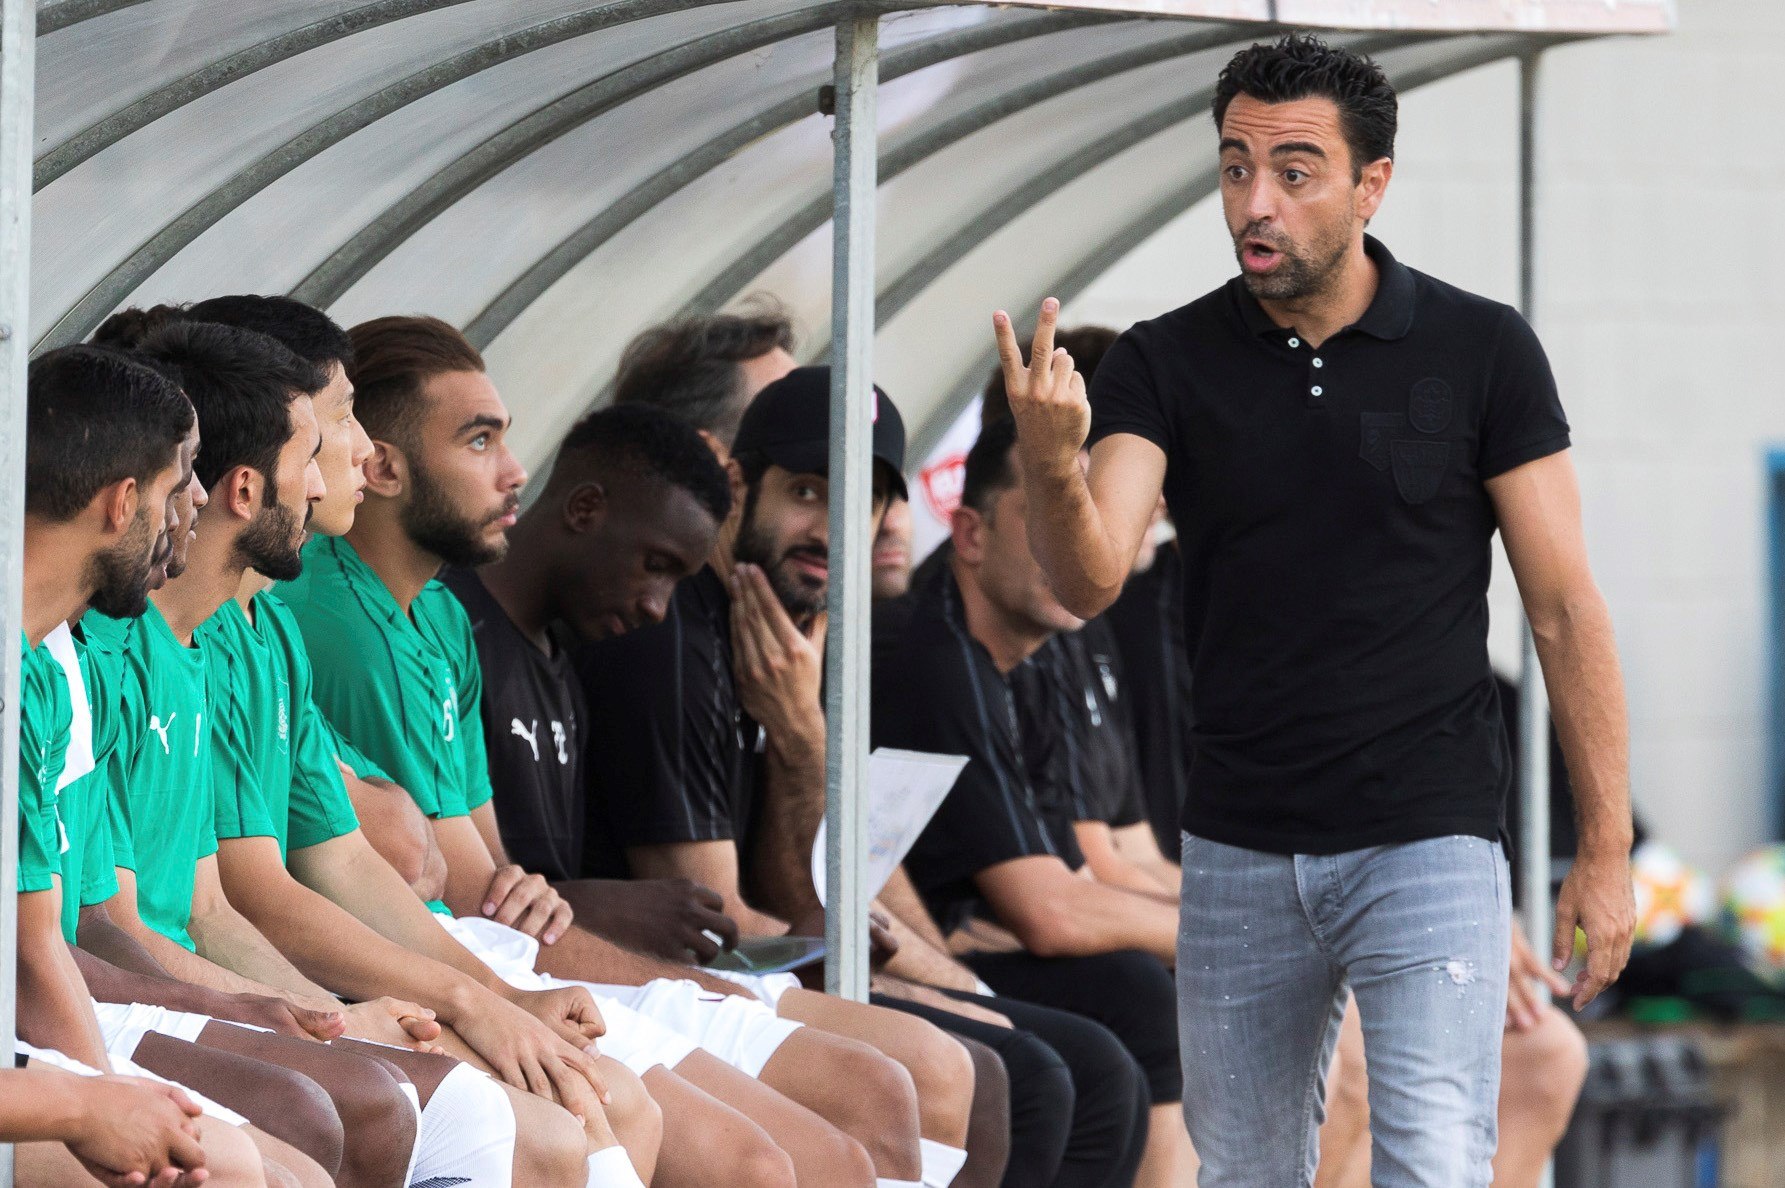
(553, 175)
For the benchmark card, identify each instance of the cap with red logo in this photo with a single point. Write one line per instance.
(789, 423)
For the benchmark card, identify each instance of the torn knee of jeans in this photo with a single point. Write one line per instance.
(1460, 972)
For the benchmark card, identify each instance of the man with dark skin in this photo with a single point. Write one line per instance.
(1338, 438)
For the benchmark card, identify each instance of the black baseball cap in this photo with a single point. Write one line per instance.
(789, 423)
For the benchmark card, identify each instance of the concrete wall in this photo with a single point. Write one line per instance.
(1661, 303)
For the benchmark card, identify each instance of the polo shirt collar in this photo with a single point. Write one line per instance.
(1389, 317)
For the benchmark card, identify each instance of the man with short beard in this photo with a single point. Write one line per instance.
(1338, 438)
(108, 444)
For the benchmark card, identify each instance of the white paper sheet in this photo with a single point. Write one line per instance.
(905, 788)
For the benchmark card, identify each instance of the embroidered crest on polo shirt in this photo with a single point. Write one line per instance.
(559, 739)
(1431, 405)
(1419, 468)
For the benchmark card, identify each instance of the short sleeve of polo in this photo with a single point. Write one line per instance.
(352, 756)
(44, 720)
(320, 809)
(1522, 418)
(1125, 396)
(659, 735)
(239, 801)
(931, 693)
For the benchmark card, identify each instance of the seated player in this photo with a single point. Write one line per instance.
(942, 682)
(1071, 693)
(268, 754)
(441, 487)
(107, 447)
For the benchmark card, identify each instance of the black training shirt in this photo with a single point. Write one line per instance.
(1335, 532)
(672, 756)
(1147, 623)
(532, 720)
(936, 689)
(1079, 743)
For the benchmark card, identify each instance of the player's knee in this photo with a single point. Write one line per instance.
(378, 1123)
(885, 1097)
(308, 1119)
(232, 1159)
(552, 1149)
(634, 1115)
(757, 1162)
(943, 1078)
(1546, 1066)
(847, 1162)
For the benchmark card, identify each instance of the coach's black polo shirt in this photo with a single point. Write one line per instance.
(1335, 530)
(936, 689)
(672, 756)
(1077, 740)
(532, 722)
(1147, 623)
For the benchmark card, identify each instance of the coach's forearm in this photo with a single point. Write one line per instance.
(1586, 688)
(1068, 536)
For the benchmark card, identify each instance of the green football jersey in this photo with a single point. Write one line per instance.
(273, 771)
(402, 689)
(160, 772)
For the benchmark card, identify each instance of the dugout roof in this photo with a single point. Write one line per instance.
(553, 175)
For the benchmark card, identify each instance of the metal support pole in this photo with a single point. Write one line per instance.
(1533, 703)
(851, 507)
(18, 45)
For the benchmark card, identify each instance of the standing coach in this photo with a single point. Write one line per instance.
(1338, 438)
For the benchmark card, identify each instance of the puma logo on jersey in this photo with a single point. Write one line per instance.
(532, 736)
(559, 739)
(161, 729)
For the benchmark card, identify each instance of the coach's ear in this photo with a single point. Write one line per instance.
(585, 508)
(387, 470)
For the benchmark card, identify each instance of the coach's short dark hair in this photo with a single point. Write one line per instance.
(241, 384)
(638, 439)
(1086, 345)
(94, 417)
(1302, 66)
(989, 471)
(690, 368)
(304, 330)
(393, 359)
